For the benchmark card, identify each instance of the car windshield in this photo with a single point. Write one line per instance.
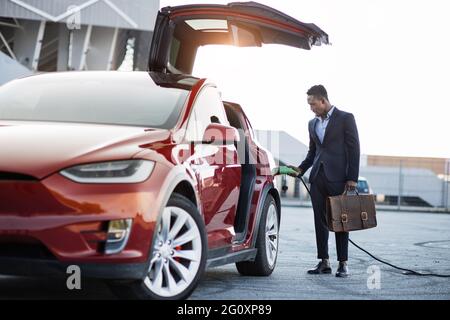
(362, 184)
(119, 98)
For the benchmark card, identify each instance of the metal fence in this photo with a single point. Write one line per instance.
(400, 183)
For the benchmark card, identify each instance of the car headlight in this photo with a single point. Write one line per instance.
(125, 171)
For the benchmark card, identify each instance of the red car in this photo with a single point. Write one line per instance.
(146, 178)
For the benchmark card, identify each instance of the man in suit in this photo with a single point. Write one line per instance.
(334, 157)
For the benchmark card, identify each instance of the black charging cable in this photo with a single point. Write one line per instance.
(405, 271)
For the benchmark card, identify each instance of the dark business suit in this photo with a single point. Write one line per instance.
(334, 161)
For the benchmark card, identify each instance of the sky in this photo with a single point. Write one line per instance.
(389, 65)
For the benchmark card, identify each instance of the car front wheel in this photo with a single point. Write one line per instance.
(178, 257)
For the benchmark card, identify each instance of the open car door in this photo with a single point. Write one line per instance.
(179, 31)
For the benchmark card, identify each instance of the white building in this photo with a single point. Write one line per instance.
(60, 35)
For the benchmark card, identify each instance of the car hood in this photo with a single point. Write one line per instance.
(39, 149)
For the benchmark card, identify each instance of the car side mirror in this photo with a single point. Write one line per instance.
(220, 134)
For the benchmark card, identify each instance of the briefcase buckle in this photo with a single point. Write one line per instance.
(344, 218)
(364, 216)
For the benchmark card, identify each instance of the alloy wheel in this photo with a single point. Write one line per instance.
(177, 252)
(272, 235)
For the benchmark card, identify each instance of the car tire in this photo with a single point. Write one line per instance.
(175, 266)
(267, 238)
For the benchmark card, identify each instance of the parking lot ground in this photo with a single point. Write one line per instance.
(420, 241)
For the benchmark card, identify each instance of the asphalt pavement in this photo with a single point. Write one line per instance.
(420, 241)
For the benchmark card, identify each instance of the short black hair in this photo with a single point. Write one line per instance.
(318, 91)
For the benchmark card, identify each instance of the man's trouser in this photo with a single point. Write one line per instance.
(321, 188)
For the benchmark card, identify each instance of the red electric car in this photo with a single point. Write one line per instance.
(146, 178)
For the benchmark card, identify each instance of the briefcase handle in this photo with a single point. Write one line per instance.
(346, 191)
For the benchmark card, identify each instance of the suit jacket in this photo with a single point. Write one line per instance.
(339, 152)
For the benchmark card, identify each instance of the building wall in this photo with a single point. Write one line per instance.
(25, 42)
(11, 69)
(407, 182)
(437, 165)
(141, 14)
(132, 19)
(424, 178)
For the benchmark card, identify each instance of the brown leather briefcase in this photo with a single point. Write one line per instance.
(351, 212)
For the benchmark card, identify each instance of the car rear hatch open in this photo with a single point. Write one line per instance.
(181, 30)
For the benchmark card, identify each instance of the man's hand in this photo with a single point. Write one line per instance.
(350, 185)
(297, 170)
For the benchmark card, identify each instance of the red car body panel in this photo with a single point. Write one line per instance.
(41, 207)
(35, 149)
(70, 218)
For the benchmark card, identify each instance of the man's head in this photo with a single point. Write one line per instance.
(318, 100)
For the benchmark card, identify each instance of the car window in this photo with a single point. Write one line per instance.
(191, 130)
(363, 186)
(208, 108)
(250, 128)
(120, 99)
(175, 48)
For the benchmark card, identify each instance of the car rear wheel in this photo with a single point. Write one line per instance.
(178, 257)
(266, 243)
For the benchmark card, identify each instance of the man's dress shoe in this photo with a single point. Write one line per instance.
(321, 268)
(342, 271)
